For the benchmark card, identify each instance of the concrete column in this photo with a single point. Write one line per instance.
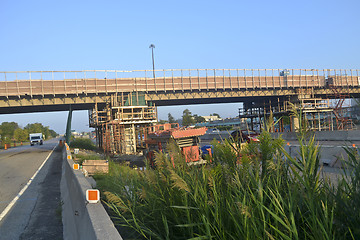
(68, 126)
(295, 124)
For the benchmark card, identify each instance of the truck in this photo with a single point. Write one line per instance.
(36, 138)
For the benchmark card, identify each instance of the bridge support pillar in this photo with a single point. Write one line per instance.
(68, 126)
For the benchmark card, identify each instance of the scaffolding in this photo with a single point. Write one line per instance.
(318, 112)
(341, 113)
(119, 124)
(254, 113)
(322, 114)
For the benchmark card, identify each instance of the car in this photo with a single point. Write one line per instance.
(245, 136)
(215, 130)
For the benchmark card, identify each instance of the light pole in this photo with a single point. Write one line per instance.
(152, 46)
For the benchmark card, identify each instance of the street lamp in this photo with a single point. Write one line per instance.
(152, 46)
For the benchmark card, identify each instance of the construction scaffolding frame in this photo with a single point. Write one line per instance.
(341, 111)
(322, 114)
(119, 124)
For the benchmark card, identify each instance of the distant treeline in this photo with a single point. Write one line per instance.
(11, 131)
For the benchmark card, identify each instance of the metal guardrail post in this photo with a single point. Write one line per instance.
(65, 85)
(182, 81)
(146, 82)
(42, 84)
(266, 80)
(106, 85)
(245, 79)
(223, 79)
(17, 85)
(164, 81)
(198, 80)
(76, 84)
(190, 80)
(172, 77)
(95, 79)
(215, 79)
(207, 81)
(237, 77)
(30, 85)
(6, 86)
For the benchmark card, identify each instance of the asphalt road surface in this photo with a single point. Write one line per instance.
(36, 214)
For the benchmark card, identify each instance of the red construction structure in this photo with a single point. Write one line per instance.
(158, 137)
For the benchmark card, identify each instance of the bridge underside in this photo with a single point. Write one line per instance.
(48, 103)
(120, 118)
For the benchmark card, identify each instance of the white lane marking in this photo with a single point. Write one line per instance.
(12, 203)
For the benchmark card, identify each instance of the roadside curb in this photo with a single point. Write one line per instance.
(82, 220)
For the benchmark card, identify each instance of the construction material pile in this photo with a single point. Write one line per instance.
(186, 138)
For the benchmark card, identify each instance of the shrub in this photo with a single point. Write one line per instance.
(82, 143)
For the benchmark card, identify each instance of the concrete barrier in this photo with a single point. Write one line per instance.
(82, 220)
(353, 135)
(219, 136)
(329, 155)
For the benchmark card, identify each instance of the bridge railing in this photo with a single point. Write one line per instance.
(109, 81)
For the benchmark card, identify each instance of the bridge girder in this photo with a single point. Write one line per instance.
(47, 103)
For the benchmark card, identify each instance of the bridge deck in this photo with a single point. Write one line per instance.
(56, 91)
(205, 80)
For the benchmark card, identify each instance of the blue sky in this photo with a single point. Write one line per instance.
(86, 35)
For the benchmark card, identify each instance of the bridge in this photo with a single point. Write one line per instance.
(42, 91)
(121, 103)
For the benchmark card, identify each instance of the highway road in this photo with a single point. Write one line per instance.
(29, 192)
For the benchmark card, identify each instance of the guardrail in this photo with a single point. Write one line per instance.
(81, 220)
(41, 83)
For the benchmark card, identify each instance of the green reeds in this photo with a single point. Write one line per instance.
(247, 191)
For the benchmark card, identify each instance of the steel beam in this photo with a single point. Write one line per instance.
(84, 102)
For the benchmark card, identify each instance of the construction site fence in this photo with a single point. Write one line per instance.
(32, 83)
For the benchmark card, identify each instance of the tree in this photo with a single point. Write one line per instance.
(11, 130)
(21, 135)
(163, 121)
(52, 133)
(35, 128)
(171, 119)
(8, 129)
(198, 119)
(39, 128)
(215, 114)
(187, 118)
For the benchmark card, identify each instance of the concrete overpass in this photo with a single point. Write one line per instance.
(43, 91)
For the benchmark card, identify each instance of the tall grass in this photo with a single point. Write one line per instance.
(253, 191)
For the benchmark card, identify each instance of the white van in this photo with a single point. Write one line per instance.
(36, 138)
